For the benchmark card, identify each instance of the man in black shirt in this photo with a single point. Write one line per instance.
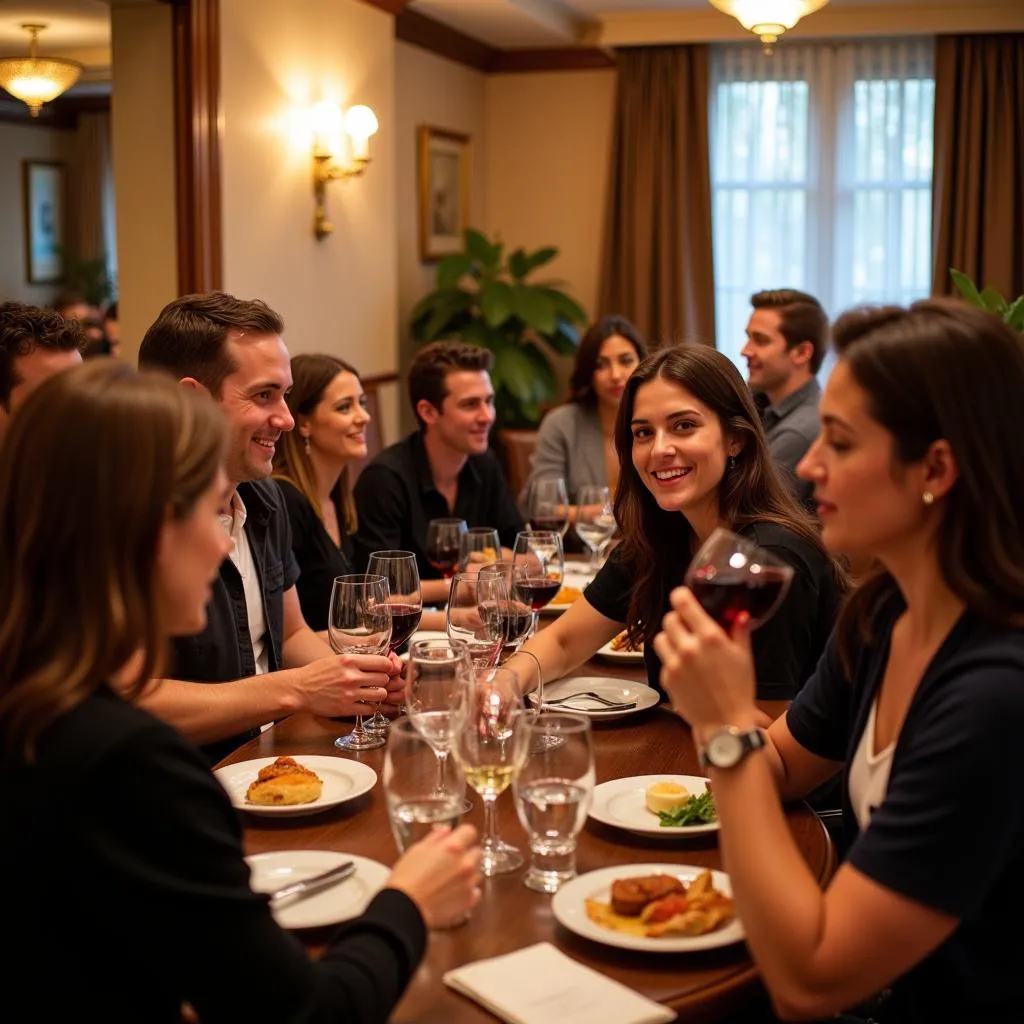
(443, 469)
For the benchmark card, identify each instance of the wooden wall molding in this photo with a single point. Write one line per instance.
(569, 58)
(390, 6)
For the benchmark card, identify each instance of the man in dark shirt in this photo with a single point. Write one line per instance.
(443, 469)
(256, 644)
(786, 338)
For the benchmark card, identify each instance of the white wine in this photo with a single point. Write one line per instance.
(414, 819)
(489, 780)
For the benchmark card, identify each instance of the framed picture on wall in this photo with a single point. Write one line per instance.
(43, 198)
(444, 175)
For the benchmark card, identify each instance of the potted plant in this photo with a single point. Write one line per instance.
(484, 297)
(989, 299)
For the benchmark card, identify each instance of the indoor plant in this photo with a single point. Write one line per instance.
(484, 297)
(1010, 312)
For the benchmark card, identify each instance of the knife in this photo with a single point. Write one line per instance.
(335, 874)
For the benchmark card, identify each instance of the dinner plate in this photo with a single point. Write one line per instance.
(422, 634)
(569, 907)
(343, 780)
(614, 689)
(609, 653)
(620, 803)
(569, 579)
(336, 903)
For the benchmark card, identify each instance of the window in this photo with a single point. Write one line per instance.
(821, 172)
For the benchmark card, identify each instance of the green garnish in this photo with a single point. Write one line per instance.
(697, 810)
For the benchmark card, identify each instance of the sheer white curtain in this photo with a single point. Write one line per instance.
(821, 167)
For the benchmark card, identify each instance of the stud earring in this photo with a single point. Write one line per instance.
(928, 498)
(305, 443)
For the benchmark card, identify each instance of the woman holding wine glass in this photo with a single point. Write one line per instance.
(694, 459)
(918, 700)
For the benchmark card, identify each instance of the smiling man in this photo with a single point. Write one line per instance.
(443, 469)
(786, 338)
(256, 645)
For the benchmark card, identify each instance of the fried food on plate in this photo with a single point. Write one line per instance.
(283, 783)
(567, 595)
(621, 643)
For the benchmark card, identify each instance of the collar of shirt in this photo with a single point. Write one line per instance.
(424, 474)
(804, 395)
(235, 522)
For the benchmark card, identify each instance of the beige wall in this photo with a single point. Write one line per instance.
(430, 90)
(18, 143)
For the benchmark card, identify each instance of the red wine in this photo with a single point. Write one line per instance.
(516, 619)
(725, 596)
(538, 591)
(404, 620)
(445, 562)
(556, 524)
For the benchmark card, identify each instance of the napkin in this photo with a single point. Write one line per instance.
(559, 990)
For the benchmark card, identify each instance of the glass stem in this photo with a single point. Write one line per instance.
(358, 730)
(490, 839)
(442, 756)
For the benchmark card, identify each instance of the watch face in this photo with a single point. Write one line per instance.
(724, 750)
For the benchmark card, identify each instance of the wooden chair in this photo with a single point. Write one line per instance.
(516, 447)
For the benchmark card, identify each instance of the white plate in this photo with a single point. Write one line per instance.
(614, 689)
(422, 634)
(610, 654)
(569, 579)
(620, 803)
(336, 903)
(343, 780)
(570, 910)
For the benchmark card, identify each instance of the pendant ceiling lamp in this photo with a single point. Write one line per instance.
(36, 80)
(768, 18)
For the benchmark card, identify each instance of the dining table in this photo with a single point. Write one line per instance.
(709, 985)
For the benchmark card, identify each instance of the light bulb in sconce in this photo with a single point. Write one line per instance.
(328, 125)
(360, 124)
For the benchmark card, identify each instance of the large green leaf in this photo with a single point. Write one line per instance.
(496, 300)
(452, 269)
(545, 384)
(444, 298)
(512, 367)
(535, 308)
(478, 248)
(445, 314)
(1014, 316)
(540, 257)
(967, 288)
(518, 264)
(564, 306)
(994, 302)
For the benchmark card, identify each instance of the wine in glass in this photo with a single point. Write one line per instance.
(491, 742)
(552, 793)
(359, 622)
(443, 537)
(516, 613)
(549, 505)
(477, 547)
(540, 553)
(595, 521)
(730, 575)
(474, 616)
(399, 568)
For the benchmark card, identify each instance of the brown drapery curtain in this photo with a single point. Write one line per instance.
(656, 267)
(978, 190)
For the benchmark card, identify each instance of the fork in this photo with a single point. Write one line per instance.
(589, 695)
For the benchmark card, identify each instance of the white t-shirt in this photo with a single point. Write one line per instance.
(241, 557)
(869, 773)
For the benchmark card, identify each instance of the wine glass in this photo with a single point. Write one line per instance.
(432, 679)
(595, 521)
(540, 552)
(443, 544)
(399, 568)
(477, 547)
(549, 505)
(359, 622)
(490, 743)
(730, 575)
(515, 613)
(474, 616)
(552, 792)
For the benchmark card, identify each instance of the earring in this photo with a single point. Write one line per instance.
(928, 498)
(730, 463)
(305, 442)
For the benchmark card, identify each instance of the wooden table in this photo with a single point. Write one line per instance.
(705, 986)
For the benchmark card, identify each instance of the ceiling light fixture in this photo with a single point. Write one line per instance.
(768, 18)
(36, 80)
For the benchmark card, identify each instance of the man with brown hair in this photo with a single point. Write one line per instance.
(786, 338)
(443, 469)
(256, 646)
(34, 344)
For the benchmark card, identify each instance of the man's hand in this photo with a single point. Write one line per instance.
(396, 683)
(344, 684)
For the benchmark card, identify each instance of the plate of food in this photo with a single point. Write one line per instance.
(620, 649)
(598, 697)
(571, 591)
(289, 787)
(664, 806)
(657, 908)
(331, 905)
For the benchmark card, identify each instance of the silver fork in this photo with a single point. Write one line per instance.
(588, 695)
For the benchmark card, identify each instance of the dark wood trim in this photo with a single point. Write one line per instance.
(432, 35)
(389, 6)
(377, 379)
(561, 59)
(197, 145)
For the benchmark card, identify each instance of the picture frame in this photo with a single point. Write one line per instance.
(445, 167)
(44, 199)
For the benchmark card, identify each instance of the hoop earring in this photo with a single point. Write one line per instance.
(305, 443)
(928, 498)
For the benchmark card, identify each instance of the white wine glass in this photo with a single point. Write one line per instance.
(595, 521)
(359, 622)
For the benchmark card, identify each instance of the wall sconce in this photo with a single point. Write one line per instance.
(329, 132)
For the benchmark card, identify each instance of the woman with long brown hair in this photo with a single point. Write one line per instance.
(694, 458)
(918, 699)
(132, 895)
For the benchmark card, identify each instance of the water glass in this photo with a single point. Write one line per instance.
(595, 521)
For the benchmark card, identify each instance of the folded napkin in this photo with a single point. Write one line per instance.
(541, 985)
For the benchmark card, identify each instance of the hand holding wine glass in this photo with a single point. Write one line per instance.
(443, 542)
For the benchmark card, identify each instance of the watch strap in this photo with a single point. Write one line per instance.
(750, 740)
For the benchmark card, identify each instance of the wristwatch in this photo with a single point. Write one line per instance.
(727, 747)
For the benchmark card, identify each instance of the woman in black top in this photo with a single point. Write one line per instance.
(132, 893)
(918, 700)
(312, 466)
(694, 458)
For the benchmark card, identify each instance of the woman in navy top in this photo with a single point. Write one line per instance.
(918, 698)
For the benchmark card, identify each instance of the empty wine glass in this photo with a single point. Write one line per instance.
(552, 792)
(549, 505)
(730, 575)
(477, 547)
(540, 552)
(595, 521)
(490, 742)
(359, 623)
(473, 615)
(399, 568)
(443, 544)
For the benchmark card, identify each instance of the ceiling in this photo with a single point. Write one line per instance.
(76, 29)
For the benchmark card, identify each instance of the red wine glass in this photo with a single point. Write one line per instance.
(444, 537)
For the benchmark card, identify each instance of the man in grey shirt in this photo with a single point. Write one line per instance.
(786, 338)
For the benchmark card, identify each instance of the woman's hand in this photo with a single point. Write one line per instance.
(708, 675)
